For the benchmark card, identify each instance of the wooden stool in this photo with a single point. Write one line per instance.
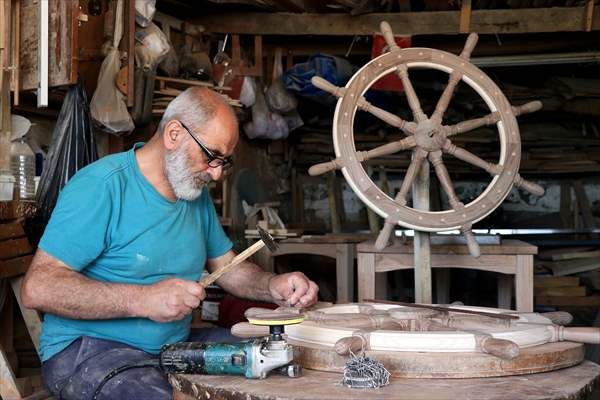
(511, 257)
(342, 247)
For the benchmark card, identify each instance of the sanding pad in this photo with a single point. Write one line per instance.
(275, 318)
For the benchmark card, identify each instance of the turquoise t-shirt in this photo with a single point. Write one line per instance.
(111, 225)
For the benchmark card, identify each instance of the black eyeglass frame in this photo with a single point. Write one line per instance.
(213, 160)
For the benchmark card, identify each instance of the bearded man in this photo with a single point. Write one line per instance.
(116, 270)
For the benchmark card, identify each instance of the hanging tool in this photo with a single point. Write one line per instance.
(265, 240)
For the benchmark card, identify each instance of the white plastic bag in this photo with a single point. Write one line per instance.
(144, 12)
(265, 124)
(248, 92)
(108, 107)
(279, 98)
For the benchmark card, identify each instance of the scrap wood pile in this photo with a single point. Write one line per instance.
(168, 88)
(568, 277)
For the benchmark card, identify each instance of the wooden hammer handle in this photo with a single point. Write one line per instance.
(207, 280)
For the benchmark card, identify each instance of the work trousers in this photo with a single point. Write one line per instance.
(75, 372)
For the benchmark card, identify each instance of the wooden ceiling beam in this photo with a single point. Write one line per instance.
(556, 19)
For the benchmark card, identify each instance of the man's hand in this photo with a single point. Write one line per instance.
(169, 300)
(294, 288)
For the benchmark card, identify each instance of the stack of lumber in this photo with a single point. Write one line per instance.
(15, 250)
(575, 276)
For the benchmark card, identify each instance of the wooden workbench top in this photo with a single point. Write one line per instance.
(573, 383)
(508, 246)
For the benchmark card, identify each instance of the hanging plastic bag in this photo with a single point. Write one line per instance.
(144, 12)
(151, 48)
(248, 92)
(278, 97)
(334, 69)
(73, 147)
(265, 124)
(108, 106)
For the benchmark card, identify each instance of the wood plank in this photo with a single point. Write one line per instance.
(15, 266)
(555, 281)
(422, 242)
(496, 263)
(11, 230)
(568, 267)
(508, 247)
(555, 19)
(567, 253)
(568, 301)
(13, 248)
(560, 291)
(60, 56)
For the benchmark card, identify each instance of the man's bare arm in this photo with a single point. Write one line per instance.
(249, 281)
(51, 286)
(246, 280)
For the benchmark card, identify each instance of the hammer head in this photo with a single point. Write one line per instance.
(267, 239)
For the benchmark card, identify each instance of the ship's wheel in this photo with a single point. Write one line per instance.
(428, 139)
(459, 342)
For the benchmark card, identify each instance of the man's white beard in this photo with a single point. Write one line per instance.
(185, 185)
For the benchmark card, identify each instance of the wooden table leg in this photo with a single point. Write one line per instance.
(381, 284)
(344, 272)
(366, 276)
(442, 285)
(505, 284)
(524, 283)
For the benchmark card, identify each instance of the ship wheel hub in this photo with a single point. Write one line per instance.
(428, 136)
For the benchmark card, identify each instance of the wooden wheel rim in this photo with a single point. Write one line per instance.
(375, 198)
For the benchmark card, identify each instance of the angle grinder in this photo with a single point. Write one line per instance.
(252, 359)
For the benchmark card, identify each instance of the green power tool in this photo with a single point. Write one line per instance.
(252, 359)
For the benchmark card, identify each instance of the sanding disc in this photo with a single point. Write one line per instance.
(275, 318)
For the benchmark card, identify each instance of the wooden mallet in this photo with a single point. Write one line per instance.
(265, 240)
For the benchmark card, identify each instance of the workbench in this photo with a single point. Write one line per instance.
(575, 383)
(512, 259)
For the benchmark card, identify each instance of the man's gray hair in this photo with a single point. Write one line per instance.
(195, 106)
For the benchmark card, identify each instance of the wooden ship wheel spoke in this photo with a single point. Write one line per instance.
(428, 139)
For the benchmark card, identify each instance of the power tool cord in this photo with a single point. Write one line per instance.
(117, 371)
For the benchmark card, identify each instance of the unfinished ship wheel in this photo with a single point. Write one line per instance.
(419, 343)
(428, 139)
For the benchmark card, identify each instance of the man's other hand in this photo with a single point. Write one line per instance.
(170, 300)
(294, 288)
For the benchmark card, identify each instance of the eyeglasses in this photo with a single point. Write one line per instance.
(214, 161)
